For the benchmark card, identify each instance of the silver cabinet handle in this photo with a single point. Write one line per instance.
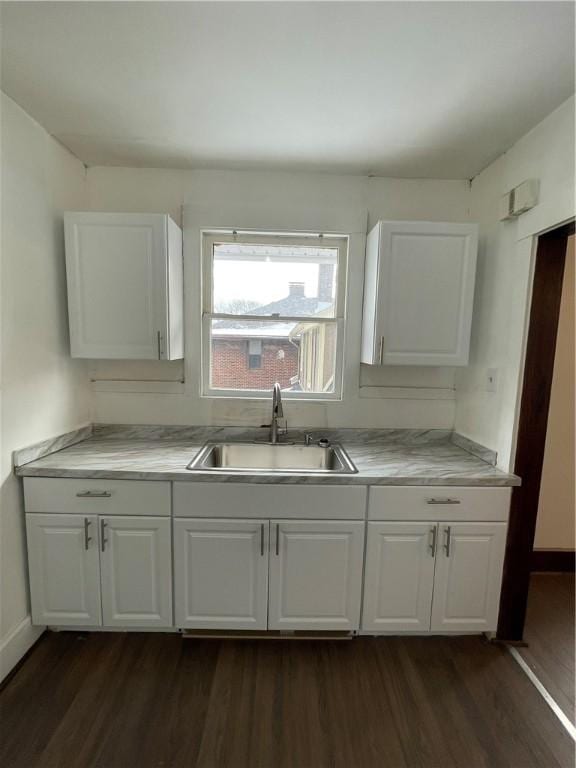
(277, 539)
(103, 539)
(447, 533)
(381, 349)
(159, 338)
(443, 501)
(94, 494)
(87, 538)
(262, 540)
(432, 544)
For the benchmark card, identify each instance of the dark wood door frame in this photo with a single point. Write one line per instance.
(533, 421)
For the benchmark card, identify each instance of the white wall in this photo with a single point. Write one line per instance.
(395, 397)
(44, 392)
(555, 524)
(504, 276)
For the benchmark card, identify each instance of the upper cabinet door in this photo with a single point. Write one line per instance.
(468, 577)
(124, 285)
(136, 568)
(315, 574)
(64, 569)
(419, 293)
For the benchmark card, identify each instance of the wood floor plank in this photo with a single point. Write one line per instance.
(128, 700)
(38, 698)
(549, 632)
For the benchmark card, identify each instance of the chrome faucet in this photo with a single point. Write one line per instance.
(277, 412)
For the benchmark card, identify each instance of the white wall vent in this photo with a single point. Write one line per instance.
(519, 200)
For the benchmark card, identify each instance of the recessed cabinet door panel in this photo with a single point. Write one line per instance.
(64, 569)
(468, 576)
(399, 577)
(419, 312)
(315, 575)
(116, 267)
(136, 566)
(221, 573)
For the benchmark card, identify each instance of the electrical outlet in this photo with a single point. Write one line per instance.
(491, 379)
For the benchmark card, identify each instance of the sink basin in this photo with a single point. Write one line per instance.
(267, 458)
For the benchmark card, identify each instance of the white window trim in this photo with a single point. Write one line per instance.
(338, 241)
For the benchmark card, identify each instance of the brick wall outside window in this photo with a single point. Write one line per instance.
(230, 364)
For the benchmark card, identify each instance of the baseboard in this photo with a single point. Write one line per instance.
(16, 644)
(553, 560)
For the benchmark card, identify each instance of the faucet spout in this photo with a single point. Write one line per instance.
(277, 412)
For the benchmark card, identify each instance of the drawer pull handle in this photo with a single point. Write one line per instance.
(442, 501)
(277, 539)
(262, 540)
(94, 494)
(87, 538)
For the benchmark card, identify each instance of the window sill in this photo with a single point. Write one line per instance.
(265, 396)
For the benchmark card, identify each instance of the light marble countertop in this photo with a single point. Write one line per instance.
(382, 457)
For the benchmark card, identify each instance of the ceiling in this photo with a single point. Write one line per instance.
(407, 89)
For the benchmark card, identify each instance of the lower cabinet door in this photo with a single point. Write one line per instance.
(136, 567)
(64, 569)
(315, 574)
(221, 573)
(468, 577)
(399, 577)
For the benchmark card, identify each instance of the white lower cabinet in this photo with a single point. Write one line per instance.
(434, 556)
(89, 570)
(136, 571)
(399, 576)
(253, 574)
(439, 577)
(468, 577)
(316, 575)
(221, 573)
(64, 569)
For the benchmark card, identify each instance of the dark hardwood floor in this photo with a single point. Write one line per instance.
(157, 701)
(549, 632)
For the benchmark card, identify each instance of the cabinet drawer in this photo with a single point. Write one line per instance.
(439, 503)
(249, 500)
(105, 497)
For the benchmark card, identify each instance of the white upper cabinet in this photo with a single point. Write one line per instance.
(419, 293)
(125, 286)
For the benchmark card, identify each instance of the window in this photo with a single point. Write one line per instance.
(255, 353)
(273, 312)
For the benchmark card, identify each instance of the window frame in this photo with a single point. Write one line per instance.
(251, 355)
(333, 240)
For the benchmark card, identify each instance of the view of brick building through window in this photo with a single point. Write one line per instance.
(254, 355)
(231, 370)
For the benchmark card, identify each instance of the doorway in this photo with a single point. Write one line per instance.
(532, 428)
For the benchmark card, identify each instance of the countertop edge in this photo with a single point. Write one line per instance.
(502, 481)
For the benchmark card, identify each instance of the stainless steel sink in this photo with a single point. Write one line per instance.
(268, 458)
